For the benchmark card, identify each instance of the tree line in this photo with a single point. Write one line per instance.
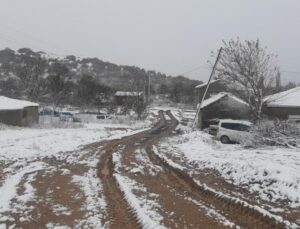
(81, 81)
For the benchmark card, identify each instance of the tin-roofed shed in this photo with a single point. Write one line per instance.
(223, 106)
(18, 112)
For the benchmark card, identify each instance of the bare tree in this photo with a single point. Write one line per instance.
(136, 88)
(248, 66)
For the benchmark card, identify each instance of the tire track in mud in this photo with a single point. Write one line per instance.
(120, 215)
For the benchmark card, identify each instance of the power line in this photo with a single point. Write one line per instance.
(193, 70)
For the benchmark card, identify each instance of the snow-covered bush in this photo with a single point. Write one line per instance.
(276, 132)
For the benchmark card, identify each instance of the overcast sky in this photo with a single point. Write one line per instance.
(170, 36)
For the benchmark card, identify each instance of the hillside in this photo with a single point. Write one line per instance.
(35, 75)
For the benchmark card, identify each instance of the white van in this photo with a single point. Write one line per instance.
(228, 130)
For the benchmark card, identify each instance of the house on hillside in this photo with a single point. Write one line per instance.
(128, 98)
(283, 105)
(18, 112)
(222, 106)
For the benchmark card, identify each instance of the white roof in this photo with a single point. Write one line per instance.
(289, 98)
(236, 121)
(219, 96)
(14, 104)
(128, 93)
(204, 84)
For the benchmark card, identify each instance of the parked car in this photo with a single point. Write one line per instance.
(66, 116)
(48, 112)
(231, 131)
(101, 115)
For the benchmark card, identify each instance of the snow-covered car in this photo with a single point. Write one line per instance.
(228, 130)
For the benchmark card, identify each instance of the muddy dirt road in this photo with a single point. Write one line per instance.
(124, 183)
(177, 200)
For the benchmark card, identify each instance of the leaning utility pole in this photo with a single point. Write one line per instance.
(149, 88)
(207, 86)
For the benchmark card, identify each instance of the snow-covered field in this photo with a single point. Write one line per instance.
(272, 173)
(18, 142)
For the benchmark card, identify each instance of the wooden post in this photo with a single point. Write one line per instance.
(207, 86)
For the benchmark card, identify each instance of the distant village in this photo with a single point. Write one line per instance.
(221, 102)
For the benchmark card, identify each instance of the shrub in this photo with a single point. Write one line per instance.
(277, 132)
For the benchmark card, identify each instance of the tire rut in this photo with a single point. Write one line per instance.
(120, 214)
(238, 213)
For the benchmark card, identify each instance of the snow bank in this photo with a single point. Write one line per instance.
(272, 173)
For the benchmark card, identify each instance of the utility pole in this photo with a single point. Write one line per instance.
(149, 88)
(207, 86)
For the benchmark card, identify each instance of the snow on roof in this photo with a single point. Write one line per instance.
(213, 99)
(289, 98)
(219, 96)
(14, 104)
(236, 121)
(128, 93)
(204, 84)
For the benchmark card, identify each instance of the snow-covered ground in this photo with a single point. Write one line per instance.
(145, 205)
(27, 154)
(177, 112)
(17, 142)
(272, 173)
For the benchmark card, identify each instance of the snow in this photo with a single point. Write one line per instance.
(8, 188)
(222, 195)
(95, 204)
(289, 98)
(212, 99)
(33, 142)
(219, 96)
(177, 112)
(145, 205)
(211, 212)
(237, 121)
(22, 155)
(272, 173)
(14, 104)
(128, 93)
(204, 84)
(148, 218)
